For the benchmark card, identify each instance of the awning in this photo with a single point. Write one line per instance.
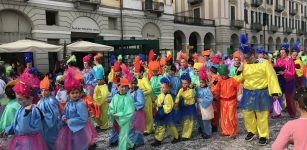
(84, 46)
(29, 46)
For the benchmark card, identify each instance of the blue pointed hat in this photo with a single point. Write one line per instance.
(296, 47)
(185, 76)
(285, 46)
(244, 45)
(165, 80)
(28, 57)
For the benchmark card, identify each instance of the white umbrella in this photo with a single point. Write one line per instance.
(84, 46)
(29, 46)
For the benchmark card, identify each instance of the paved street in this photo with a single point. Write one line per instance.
(217, 142)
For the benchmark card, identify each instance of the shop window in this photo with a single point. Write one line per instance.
(112, 23)
(51, 18)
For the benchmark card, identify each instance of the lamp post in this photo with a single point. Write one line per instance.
(121, 28)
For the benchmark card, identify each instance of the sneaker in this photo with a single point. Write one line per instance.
(174, 141)
(263, 141)
(156, 143)
(250, 136)
(205, 136)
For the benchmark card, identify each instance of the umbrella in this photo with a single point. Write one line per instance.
(83, 46)
(29, 46)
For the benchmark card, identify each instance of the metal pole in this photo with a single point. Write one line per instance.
(121, 28)
(64, 51)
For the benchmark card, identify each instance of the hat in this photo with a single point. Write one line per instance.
(142, 57)
(71, 80)
(23, 86)
(244, 45)
(296, 47)
(45, 84)
(98, 73)
(33, 70)
(197, 66)
(137, 65)
(162, 60)
(72, 58)
(203, 73)
(151, 55)
(124, 82)
(215, 59)
(112, 60)
(182, 56)
(116, 66)
(206, 53)
(87, 58)
(168, 55)
(195, 56)
(153, 65)
(222, 70)
(119, 57)
(185, 76)
(236, 54)
(261, 51)
(28, 57)
(98, 56)
(59, 78)
(229, 51)
(165, 80)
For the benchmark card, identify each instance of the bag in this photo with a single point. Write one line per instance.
(206, 113)
(276, 108)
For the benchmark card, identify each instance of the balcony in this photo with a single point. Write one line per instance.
(300, 31)
(87, 4)
(287, 30)
(279, 8)
(256, 3)
(154, 7)
(239, 24)
(193, 21)
(293, 12)
(256, 27)
(194, 2)
(273, 29)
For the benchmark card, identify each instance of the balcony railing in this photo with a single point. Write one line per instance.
(288, 30)
(193, 2)
(256, 3)
(279, 8)
(237, 23)
(293, 12)
(193, 21)
(273, 29)
(256, 27)
(151, 6)
(94, 4)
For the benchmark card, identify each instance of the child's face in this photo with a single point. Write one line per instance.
(45, 92)
(224, 76)
(122, 89)
(164, 88)
(170, 72)
(74, 95)
(185, 83)
(23, 101)
(100, 82)
(260, 55)
(203, 83)
(139, 74)
(183, 63)
(196, 71)
(155, 72)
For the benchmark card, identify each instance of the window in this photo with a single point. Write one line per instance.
(233, 13)
(196, 12)
(252, 17)
(53, 41)
(246, 16)
(51, 18)
(112, 23)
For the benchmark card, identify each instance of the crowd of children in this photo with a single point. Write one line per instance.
(150, 97)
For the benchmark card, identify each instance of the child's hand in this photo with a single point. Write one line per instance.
(159, 105)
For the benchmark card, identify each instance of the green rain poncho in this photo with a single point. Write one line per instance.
(9, 114)
(155, 85)
(123, 108)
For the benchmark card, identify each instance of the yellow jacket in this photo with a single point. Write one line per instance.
(299, 72)
(168, 102)
(259, 76)
(101, 93)
(144, 85)
(187, 95)
(111, 75)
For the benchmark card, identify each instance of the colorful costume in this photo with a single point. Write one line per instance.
(287, 82)
(215, 89)
(187, 110)
(228, 104)
(114, 135)
(205, 109)
(139, 118)
(8, 114)
(26, 130)
(259, 82)
(92, 106)
(122, 107)
(101, 93)
(79, 133)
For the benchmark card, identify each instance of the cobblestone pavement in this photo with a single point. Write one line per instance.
(217, 142)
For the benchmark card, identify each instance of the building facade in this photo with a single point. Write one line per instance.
(135, 26)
